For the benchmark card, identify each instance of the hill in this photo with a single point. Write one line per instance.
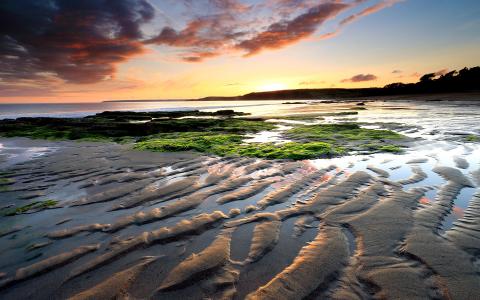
(465, 80)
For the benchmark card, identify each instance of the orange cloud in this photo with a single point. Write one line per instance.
(283, 33)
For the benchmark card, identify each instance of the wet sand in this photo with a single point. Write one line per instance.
(183, 225)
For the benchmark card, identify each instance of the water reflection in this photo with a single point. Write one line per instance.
(399, 167)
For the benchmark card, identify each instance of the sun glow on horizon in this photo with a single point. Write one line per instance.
(196, 49)
(273, 86)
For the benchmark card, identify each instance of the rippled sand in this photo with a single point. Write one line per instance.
(184, 226)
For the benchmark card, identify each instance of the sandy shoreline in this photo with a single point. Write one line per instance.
(185, 225)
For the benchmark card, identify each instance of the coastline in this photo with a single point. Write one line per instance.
(89, 217)
(463, 96)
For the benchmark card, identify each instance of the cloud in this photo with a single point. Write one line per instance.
(198, 56)
(397, 71)
(203, 37)
(354, 17)
(368, 11)
(287, 32)
(231, 26)
(24, 91)
(311, 82)
(84, 41)
(361, 78)
(207, 32)
(208, 35)
(78, 41)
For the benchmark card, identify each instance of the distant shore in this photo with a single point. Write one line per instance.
(471, 96)
(284, 95)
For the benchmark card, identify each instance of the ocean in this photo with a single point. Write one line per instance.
(70, 110)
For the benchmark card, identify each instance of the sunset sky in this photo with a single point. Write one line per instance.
(94, 50)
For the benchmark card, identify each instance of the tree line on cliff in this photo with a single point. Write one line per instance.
(467, 79)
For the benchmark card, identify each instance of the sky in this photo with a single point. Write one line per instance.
(96, 50)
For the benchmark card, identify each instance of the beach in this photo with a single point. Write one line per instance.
(99, 220)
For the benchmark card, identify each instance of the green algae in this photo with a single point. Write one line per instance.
(390, 148)
(472, 138)
(122, 116)
(349, 136)
(37, 205)
(48, 132)
(317, 141)
(381, 148)
(229, 125)
(219, 133)
(5, 182)
(191, 141)
(290, 150)
(117, 126)
(231, 145)
(342, 131)
(313, 116)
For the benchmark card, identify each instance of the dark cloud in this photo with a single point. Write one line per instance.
(397, 71)
(78, 41)
(361, 78)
